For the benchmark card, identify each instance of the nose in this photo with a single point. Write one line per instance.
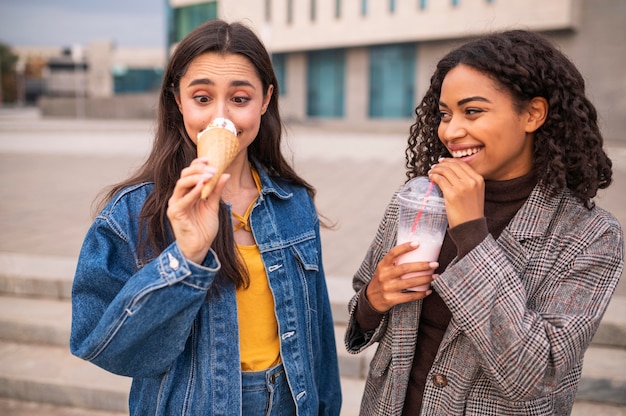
(452, 129)
(220, 109)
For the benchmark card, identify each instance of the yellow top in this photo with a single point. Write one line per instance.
(258, 328)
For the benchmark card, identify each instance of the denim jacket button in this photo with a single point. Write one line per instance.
(174, 263)
(288, 334)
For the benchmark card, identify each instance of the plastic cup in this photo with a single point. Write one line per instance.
(422, 219)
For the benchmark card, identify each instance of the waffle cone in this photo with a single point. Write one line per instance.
(220, 147)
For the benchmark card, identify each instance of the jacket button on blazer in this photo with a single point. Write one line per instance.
(439, 380)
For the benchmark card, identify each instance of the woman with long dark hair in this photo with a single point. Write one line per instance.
(216, 305)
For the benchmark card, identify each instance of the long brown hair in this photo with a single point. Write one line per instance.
(173, 150)
(568, 148)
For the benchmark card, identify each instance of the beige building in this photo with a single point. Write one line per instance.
(366, 63)
(96, 80)
(97, 69)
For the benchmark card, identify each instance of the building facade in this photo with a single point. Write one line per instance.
(367, 63)
(98, 79)
(98, 69)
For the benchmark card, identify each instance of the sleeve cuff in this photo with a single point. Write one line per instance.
(367, 317)
(174, 267)
(468, 235)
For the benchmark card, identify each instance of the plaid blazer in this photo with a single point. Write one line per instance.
(524, 310)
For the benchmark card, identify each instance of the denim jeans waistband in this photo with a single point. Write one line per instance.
(256, 379)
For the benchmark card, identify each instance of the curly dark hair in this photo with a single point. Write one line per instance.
(568, 148)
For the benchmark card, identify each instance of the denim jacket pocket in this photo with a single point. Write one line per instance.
(307, 254)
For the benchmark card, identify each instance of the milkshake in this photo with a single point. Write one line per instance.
(423, 220)
(427, 251)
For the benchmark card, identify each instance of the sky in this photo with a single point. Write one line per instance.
(60, 23)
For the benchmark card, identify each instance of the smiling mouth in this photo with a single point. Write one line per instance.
(465, 152)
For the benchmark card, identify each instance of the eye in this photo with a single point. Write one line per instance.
(202, 99)
(443, 115)
(241, 100)
(473, 111)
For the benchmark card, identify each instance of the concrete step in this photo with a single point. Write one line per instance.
(612, 330)
(352, 393)
(43, 321)
(50, 374)
(351, 365)
(12, 407)
(352, 389)
(51, 277)
(583, 408)
(36, 366)
(350, 407)
(36, 380)
(604, 376)
(41, 276)
(35, 320)
(37, 328)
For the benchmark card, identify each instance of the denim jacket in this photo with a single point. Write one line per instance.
(168, 325)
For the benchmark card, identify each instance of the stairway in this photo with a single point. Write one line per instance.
(39, 376)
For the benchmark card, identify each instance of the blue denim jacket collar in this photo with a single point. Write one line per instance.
(268, 186)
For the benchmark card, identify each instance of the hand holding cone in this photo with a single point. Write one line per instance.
(218, 142)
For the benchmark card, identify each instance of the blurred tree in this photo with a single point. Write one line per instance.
(7, 74)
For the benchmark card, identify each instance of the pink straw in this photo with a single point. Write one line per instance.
(419, 213)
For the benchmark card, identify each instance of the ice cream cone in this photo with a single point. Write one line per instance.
(219, 144)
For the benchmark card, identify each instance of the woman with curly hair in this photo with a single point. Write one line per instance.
(528, 264)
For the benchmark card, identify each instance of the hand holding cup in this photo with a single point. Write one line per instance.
(422, 221)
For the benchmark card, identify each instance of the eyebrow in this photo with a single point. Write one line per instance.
(207, 81)
(466, 100)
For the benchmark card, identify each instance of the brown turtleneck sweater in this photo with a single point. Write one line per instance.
(502, 201)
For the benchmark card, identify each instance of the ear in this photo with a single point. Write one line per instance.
(267, 99)
(537, 114)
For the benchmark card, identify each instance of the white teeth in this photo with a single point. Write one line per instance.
(465, 152)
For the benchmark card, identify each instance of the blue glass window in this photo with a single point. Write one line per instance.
(279, 62)
(325, 83)
(187, 18)
(392, 85)
(133, 80)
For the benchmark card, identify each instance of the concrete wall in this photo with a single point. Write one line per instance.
(597, 48)
(293, 101)
(357, 85)
(378, 25)
(99, 78)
